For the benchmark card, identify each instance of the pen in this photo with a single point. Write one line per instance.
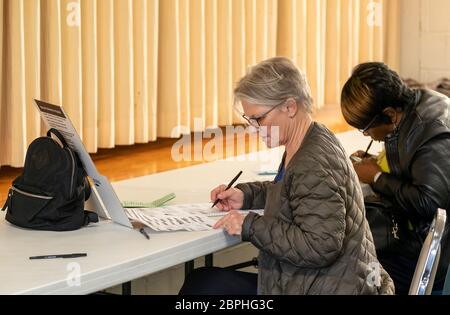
(368, 148)
(266, 173)
(228, 187)
(142, 230)
(60, 256)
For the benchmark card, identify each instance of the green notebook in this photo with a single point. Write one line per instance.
(154, 204)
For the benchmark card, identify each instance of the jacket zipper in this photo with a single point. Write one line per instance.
(392, 155)
(73, 172)
(28, 194)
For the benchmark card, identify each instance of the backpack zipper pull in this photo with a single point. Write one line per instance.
(6, 205)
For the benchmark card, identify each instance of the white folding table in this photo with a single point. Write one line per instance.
(117, 254)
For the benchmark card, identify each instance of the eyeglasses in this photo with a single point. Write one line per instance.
(369, 125)
(256, 121)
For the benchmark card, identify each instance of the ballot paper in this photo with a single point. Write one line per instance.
(188, 217)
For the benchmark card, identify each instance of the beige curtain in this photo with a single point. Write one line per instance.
(129, 71)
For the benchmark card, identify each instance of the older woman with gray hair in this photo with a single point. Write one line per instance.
(313, 237)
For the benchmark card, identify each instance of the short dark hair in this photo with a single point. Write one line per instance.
(371, 88)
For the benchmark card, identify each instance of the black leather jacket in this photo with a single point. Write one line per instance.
(418, 153)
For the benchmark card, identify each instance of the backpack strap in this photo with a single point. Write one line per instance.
(7, 204)
(58, 135)
(90, 217)
(87, 189)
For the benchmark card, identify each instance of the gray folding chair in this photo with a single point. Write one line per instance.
(423, 280)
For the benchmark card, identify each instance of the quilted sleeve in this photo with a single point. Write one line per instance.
(315, 236)
(254, 194)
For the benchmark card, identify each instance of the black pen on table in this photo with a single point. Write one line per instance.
(75, 255)
(143, 232)
(228, 187)
(368, 148)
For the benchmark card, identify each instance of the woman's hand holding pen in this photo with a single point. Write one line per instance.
(231, 199)
(362, 155)
(365, 165)
(366, 169)
(358, 156)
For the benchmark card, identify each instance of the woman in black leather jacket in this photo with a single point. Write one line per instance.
(415, 127)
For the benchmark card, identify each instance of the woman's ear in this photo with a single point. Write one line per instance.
(391, 113)
(292, 107)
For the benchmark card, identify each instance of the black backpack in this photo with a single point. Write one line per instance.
(51, 191)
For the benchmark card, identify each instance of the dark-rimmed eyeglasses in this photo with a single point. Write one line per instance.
(369, 125)
(256, 121)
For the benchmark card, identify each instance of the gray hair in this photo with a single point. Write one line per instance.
(273, 81)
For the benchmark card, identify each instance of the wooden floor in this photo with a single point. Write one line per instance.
(124, 162)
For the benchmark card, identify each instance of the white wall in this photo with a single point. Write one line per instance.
(425, 39)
